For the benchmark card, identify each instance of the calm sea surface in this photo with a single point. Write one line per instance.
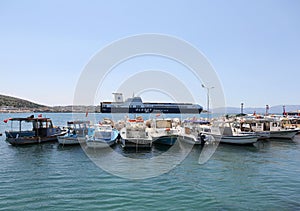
(50, 177)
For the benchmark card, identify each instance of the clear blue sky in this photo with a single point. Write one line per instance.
(254, 46)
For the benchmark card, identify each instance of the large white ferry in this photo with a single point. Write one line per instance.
(136, 105)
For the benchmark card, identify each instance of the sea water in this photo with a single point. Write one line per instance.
(265, 176)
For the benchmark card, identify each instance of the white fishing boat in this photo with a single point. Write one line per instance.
(277, 130)
(135, 134)
(224, 132)
(77, 130)
(193, 131)
(291, 122)
(270, 127)
(250, 126)
(165, 131)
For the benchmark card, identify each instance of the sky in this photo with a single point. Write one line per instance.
(253, 46)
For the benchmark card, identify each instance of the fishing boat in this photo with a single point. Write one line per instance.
(250, 125)
(269, 127)
(193, 131)
(224, 132)
(77, 130)
(291, 122)
(136, 105)
(32, 131)
(103, 135)
(277, 130)
(165, 131)
(135, 134)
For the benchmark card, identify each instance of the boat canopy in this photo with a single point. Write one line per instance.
(31, 119)
(78, 122)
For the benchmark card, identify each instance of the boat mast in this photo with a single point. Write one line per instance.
(208, 89)
(20, 126)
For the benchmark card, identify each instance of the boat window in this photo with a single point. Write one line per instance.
(42, 124)
(266, 126)
(49, 125)
(34, 125)
(15, 126)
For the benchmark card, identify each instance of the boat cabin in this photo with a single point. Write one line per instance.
(79, 127)
(39, 127)
(291, 122)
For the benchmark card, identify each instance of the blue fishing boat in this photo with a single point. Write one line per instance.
(77, 131)
(34, 131)
(103, 135)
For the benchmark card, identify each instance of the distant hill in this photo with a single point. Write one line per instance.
(278, 109)
(17, 102)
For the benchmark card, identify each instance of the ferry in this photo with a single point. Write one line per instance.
(136, 105)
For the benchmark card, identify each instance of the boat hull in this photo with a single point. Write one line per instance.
(100, 143)
(69, 140)
(30, 140)
(191, 139)
(136, 143)
(166, 140)
(237, 139)
(285, 134)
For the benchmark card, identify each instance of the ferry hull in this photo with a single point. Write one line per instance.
(166, 110)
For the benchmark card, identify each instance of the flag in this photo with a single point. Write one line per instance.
(40, 115)
(86, 113)
(5, 121)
